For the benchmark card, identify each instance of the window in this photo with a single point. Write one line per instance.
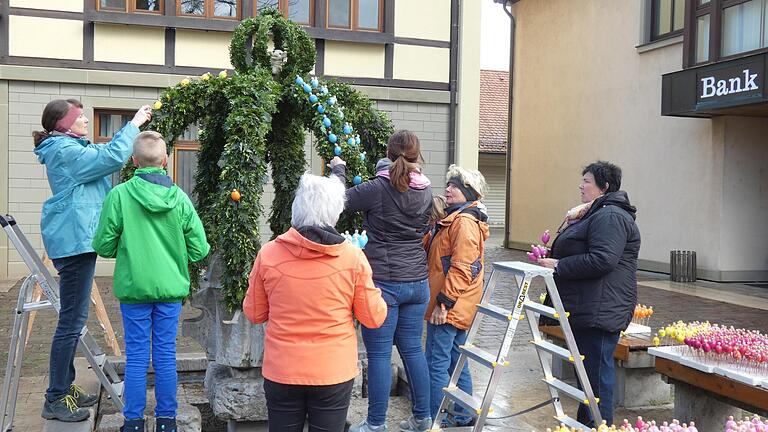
(667, 18)
(298, 11)
(131, 5)
(107, 123)
(355, 14)
(209, 8)
(726, 28)
(185, 161)
(105, 126)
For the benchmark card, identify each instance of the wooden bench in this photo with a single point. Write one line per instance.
(709, 398)
(637, 383)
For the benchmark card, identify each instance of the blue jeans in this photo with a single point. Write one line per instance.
(406, 303)
(162, 321)
(442, 354)
(75, 281)
(598, 346)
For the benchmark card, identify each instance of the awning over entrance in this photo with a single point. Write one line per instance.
(732, 87)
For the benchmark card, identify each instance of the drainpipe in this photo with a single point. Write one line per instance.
(453, 80)
(508, 209)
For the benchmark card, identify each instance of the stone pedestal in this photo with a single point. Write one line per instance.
(234, 346)
(709, 414)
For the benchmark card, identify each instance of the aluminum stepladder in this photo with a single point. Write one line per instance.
(39, 274)
(524, 308)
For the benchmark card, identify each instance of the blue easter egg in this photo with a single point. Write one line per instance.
(347, 129)
(333, 138)
(313, 98)
(357, 140)
(314, 82)
(307, 88)
(351, 141)
(362, 156)
(326, 122)
(320, 109)
(332, 100)
(324, 90)
(357, 180)
(299, 80)
(341, 114)
(337, 151)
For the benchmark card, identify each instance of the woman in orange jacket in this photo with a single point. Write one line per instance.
(307, 284)
(455, 248)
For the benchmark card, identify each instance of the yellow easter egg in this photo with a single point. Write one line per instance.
(223, 74)
(184, 82)
(157, 105)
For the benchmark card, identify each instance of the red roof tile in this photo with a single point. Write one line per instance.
(494, 99)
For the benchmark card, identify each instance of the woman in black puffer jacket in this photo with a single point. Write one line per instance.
(595, 262)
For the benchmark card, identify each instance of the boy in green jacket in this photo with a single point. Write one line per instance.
(151, 227)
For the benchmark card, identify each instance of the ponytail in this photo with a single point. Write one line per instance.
(404, 150)
(400, 173)
(39, 137)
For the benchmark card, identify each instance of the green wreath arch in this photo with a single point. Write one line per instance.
(252, 119)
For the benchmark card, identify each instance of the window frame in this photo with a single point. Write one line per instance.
(354, 19)
(674, 33)
(282, 6)
(130, 7)
(209, 11)
(183, 145)
(715, 10)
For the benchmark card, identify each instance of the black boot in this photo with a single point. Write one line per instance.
(165, 424)
(135, 425)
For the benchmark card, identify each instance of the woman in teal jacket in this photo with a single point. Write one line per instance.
(78, 173)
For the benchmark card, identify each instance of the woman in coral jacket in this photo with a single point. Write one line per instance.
(455, 252)
(307, 284)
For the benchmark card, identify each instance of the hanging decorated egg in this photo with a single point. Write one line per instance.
(332, 100)
(347, 128)
(307, 88)
(324, 90)
(235, 195)
(357, 180)
(337, 151)
(351, 141)
(314, 82)
(299, 80)
(362, 156)
(326, 122)
(320, 109)
(357, 139)
(333, 138)
(313, 98)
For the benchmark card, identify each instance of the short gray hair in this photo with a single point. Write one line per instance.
(469, 177)
(149, 149)
(319, 201)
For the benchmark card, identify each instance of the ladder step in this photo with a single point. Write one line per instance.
(554, 349)
(467, 401)
(38, 305)
(569, 390)
(495, 311)
(101, 359)
(118, 389)
(544, 310)
(483, 357)
(571, 422)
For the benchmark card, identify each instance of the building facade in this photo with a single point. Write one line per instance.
(492, 143)
(674, 92)
(115, 55)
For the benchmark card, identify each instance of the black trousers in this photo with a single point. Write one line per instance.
(325, 407)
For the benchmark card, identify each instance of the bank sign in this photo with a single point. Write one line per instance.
(730, 84)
